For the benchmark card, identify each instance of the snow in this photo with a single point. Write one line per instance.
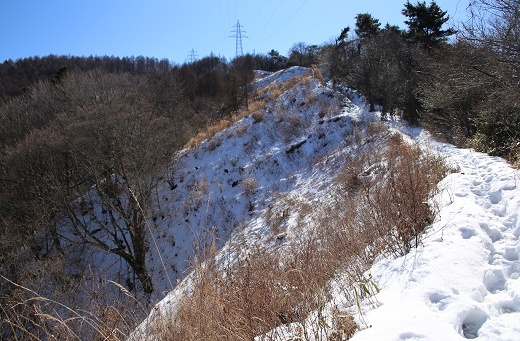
(461, 282)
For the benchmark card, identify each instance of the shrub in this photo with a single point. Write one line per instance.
(257, 116)
(250, 185)
(394, 185)
(241, 129)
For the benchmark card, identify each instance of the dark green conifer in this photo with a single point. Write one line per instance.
(425, 24)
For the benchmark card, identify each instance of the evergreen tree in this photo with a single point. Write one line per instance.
(425, 24)
(276, 61)
(366, 25)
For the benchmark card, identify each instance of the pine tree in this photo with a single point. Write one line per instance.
(366, 25)
(425, 24)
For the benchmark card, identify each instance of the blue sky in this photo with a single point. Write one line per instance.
(171, 29)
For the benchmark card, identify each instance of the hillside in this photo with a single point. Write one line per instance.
(307, 216)
(460, 282)
(290, 147)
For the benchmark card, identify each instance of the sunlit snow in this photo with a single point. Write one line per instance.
(461, 282)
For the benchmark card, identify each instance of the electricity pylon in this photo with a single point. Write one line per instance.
(238, 35)
(192, 56)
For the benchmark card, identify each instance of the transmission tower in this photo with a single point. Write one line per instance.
(192, 56)
(238, 35)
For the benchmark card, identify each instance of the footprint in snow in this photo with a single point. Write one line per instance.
(495, 197)
(467, 232)
(439, 300)
(472, 323)
(493, 233)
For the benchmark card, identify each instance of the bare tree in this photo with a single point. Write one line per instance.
(94, 171)
(302, 54)
(496, 24)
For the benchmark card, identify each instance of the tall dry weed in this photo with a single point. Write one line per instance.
(107, 311)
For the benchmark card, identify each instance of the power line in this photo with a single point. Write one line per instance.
(256, 17)
(221, 21)
(238, 35)
(285, 23)
(229, 14)
(272, 15)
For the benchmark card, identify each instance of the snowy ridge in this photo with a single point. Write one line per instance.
(461, 282)
(225, 184)
(265, 79)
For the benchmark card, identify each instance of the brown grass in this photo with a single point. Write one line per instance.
(27, 315)
(255, 108)
(250, 185)
(316, 73)
(210, 131)
(379, 209)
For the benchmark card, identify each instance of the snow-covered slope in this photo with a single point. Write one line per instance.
(461, 282)
(227, 181)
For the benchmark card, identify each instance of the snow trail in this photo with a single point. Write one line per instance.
(463, 282)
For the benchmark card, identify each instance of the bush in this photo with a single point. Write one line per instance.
(257, 116)
(250, 185)
(498, 133)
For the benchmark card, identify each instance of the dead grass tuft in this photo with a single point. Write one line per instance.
(250, 185)
(316, 73)
(107, 312)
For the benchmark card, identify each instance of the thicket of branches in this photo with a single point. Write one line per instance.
(471, 91)
(81, 153)
(466, 89)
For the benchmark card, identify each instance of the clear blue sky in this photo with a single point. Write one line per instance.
(171, 28)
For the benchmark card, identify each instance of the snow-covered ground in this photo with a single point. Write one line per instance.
(461, 282)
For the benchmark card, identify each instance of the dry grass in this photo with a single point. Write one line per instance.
(274, 91)
(210, 131)
(198, 191)
(394, 185)
(379, 209)
(248, 298)
(250, 185)
(241, 129)
(27, 315)
(256, 105)
(316, 73)
(255, 108)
